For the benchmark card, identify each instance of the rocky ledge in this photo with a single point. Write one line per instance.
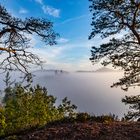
(85, 131)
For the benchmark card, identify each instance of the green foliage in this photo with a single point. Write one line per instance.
(83, 117)
(2, 121)
(25, 108)
(118, 18)
(106, 118)
(66, 108)
(134, 106)
(7, 80)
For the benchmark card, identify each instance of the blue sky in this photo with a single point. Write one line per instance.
(71, 20)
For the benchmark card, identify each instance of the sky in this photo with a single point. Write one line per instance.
(71, 20)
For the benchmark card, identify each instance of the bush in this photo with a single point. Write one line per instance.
(2, 121)
(67, 109)
(105, 118)
(31, 107)
(82, 117)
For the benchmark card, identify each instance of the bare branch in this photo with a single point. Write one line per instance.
(14, 42)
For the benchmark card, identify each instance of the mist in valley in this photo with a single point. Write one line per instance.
(91, 92)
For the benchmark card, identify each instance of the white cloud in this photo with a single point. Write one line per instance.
(33, 40)
(73, 19)
(39, 1)
(23, 11)
(58, 57)
(61, 56)
(62, 40)
(47, 9)
(83, 64)
(51, 11)
(48, 52)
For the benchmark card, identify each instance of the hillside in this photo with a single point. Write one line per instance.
(86, 131)
(104, 69)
